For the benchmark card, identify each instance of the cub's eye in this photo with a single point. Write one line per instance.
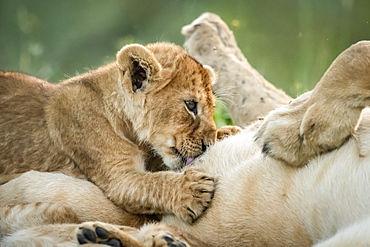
(192, 106)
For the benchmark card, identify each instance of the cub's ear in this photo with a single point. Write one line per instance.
(140, 64)
(212, 74)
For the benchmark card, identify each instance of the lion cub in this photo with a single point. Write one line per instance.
(104, 125)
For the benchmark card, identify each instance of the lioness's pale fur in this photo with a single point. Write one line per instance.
(104, 125)
(323, 119)
(259, 201)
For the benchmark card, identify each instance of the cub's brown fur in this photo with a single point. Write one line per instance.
(106, 124)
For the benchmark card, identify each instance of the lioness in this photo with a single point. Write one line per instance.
(104, 125)
(259, 201)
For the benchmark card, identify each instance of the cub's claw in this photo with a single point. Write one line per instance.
(194, 201)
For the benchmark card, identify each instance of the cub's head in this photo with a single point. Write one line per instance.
(168, 98)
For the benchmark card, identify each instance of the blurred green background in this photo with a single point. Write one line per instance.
(290, 42)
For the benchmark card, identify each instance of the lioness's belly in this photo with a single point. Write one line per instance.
(262, 202)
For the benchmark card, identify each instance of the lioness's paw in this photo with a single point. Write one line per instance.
(105, 234)
(197, 192)
(279, 135)
(306, 128)
(159, 235)
(226, 131)
(323, 119)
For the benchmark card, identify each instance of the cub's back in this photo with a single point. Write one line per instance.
(22, 123)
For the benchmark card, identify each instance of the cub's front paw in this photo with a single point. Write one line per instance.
(226, 131)
(104, 234)
(197, 190)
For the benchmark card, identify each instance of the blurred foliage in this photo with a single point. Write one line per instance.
(290, 42)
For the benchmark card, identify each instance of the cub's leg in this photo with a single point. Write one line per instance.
(322, 120)
(187, 195)
(152, 235)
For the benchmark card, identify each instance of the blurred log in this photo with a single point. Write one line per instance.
(246, 93)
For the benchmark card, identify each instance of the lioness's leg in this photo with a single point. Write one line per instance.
(22, 216)
(44, 235)
(152, 235)
(357, 234)
(322, 120)
(82, 198)
(106, 234)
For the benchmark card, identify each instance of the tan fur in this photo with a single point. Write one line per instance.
(245, 92)
(259, 200)
(323, 119)
(106, 124)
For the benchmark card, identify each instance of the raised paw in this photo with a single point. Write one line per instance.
(197, 193)
(300, 131)
(279, 135)
(226, 131)
(104, 234)
(160, 235)
(323, 119)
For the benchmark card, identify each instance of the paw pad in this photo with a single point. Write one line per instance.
(171, 242)
(99, 236)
